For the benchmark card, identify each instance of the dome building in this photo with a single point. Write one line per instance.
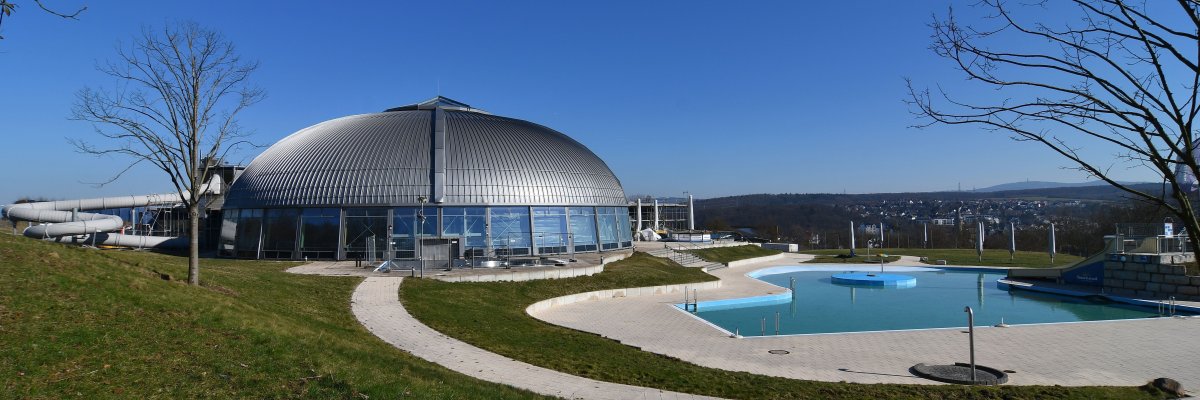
(437, 180)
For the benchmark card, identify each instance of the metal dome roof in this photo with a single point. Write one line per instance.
(441, 149)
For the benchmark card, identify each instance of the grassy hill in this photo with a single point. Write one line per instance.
(105, 324)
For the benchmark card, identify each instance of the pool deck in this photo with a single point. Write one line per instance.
(1102, 353)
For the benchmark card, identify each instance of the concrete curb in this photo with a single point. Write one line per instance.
(755, 260)
(616, 293)
(521, 276)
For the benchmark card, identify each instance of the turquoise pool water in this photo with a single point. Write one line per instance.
(936, 301)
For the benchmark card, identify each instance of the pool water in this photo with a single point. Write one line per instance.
(936, 301)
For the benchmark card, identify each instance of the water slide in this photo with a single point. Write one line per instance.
(1089, 271)
(65, 221)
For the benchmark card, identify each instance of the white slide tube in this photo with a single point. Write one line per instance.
(64, 221)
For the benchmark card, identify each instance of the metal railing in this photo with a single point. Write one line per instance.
(1151, 239)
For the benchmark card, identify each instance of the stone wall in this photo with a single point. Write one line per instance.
(1150, 280)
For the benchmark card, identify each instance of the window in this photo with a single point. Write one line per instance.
(468, 223)
(366, 230)
(226, 244)
(550, 229)
(583, 228)
(319, 232)
(510, 230)
(626, 230)
(249, 231)
(608, 227)
(406, 224)
(279, 232)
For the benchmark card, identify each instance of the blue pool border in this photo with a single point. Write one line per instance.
(1033, 287)
(786, 295)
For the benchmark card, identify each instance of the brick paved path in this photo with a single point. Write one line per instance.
(377, 306)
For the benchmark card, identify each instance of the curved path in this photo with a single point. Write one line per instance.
(377, 306)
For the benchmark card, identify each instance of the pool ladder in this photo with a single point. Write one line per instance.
(690, 305)
(764, 324)
(1167, 308)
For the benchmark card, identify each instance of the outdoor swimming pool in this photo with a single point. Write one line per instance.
(936, 300)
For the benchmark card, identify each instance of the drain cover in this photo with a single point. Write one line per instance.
(960, 373)
(781, 352)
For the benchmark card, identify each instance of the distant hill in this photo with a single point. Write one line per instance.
(1089, 192)
(1027, 185)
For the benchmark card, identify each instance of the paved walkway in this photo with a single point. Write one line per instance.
(1126, 353)
(377, 306)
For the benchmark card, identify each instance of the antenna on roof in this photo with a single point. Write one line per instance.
(439, 86)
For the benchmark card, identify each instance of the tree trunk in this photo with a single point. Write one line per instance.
(1188, 215)
(194, 244)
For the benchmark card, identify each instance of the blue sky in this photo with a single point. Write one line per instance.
(715, 98)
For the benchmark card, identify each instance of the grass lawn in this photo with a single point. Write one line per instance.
(85, 323)
(991, 257)
(727, 254)
(492, 316)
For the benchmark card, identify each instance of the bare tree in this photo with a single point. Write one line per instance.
(7, 7)
(175, 107)
(1113, 86)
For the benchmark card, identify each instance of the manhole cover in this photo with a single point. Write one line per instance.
(779, 352)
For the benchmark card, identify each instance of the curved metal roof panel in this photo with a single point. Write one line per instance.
(461, 158)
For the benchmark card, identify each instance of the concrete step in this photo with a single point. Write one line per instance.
(660, 252)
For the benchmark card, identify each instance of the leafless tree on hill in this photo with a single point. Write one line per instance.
(179, 92)
(1112, 86)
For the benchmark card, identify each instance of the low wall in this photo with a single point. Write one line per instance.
(615, 293)
(1150, 280)
(518, 275)
(755, 260)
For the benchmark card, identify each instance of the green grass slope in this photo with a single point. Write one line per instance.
(104, 324)
(734, 253)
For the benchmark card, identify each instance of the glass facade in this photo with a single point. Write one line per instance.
(352, 233)
(279, 232)
(249, 231)
(226, 243)
(319, 232)
(624, 227)
(583, 228)
(607, 222)
(550, 229)
(366, 233)
(510, 231)
(468, 224)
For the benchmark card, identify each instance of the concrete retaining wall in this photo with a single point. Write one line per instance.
(748, 261)
(518, 275)
(614, 293)
(786, 247)
(1150, 280)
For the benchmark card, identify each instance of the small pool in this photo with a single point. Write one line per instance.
(935, 300)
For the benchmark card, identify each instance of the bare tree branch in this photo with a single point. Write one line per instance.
(180, 91)
(1117, 77)
(67, 16)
